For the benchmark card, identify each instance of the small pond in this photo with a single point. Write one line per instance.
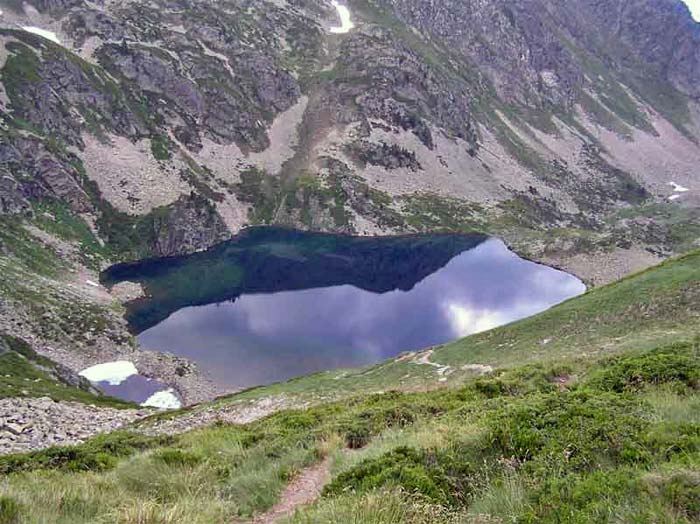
(273, 304)
(121, 379)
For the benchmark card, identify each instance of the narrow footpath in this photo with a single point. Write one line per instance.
(301, 491)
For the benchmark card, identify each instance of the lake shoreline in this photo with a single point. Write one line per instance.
(304, 270)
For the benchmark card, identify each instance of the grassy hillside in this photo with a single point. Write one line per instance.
(638, 312)
(599, 424)
(620, 443)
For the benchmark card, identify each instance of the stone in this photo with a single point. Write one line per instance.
(14, 428)
(28, 424)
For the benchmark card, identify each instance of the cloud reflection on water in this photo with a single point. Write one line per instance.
(264, 338)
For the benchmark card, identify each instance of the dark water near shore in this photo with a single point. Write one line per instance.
(276, 304)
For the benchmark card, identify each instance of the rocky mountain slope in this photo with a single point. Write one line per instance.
(169, 126)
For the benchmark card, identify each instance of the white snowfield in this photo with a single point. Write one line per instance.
(114, 373)
(49, 35)
(163, 400)
(678, 188)
(346, 23)
(694, 6)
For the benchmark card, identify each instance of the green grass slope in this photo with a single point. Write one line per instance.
(599, 424)
(656, 305)
(621, 443)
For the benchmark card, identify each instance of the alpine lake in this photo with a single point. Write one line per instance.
(273, 304)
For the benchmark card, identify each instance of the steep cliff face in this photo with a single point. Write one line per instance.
(536, 50)
(561, 126)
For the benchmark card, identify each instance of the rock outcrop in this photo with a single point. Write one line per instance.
(191, 224)
(12, 201)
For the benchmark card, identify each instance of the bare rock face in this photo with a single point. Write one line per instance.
(12, 200)
(54, 5)
(658, 33)
(39, 172)
(63, 96)
(514, 43)
(192, 224)
(387, 156)
(530, 48)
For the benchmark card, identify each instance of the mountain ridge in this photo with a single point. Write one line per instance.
(493, 117)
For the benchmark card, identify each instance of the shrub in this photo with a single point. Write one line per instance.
(575, 430)
(98, 454)
(492, 387)
(293, 421)
(357, 436)
(160, 147)
(670, 439)
(9, 510)
(522, 381)
(359, 429)
(402, 467)
(444, 477)
(178, 457)
(582, 499)
(673, 364)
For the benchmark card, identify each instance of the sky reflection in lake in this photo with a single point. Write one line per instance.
(264, 338)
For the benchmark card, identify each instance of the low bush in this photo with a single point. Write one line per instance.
(98, 454)
(670, 439)
(9, 510)
(669, 365)
(581, 499)
(522, 381)
(444, 477)
(402, 467)
(570, 430)
(178, 457)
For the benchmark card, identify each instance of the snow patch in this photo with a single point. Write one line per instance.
(346, 23)
(48, 35)
(678, 188)
(114, 373)
(166, 399)
(694, 6)
(91, 283)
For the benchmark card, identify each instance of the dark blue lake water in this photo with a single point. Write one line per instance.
(276, 304)
(136, 388)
